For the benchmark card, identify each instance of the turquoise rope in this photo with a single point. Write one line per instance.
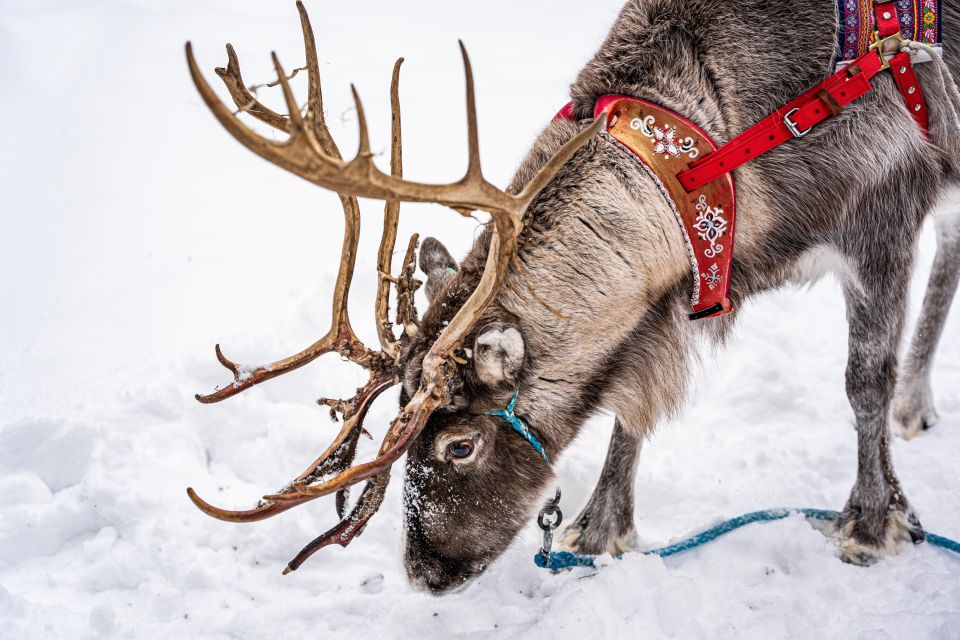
(560, 560)
(519, 425)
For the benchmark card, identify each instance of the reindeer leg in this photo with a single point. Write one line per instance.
(914, 410)
(877, 516)
(605, 525)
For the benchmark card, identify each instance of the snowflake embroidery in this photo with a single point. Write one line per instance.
(712, 277)
(710, 225)
(665, 141)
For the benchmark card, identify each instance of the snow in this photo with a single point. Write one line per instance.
(135, 234)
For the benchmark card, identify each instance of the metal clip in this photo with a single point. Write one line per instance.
(552, 508)
(880, 46)
(792, 126)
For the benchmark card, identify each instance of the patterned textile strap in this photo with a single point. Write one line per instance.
(920, 20)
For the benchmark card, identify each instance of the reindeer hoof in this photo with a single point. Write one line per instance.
(914, 413)
(909, 427)
(855, 547)
(581, 538)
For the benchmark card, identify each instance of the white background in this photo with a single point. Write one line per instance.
(135, 233)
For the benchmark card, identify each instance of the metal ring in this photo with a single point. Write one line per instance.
(546, 525)
(551, 508)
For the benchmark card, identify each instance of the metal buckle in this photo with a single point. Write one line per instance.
(880, 46)
(792, 126)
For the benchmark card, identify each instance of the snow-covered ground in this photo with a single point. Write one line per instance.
(135, 233)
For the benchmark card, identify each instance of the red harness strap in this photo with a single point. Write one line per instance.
(888, 29)
(797, 118)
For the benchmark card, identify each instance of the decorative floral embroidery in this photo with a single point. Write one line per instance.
(712, 277)
(710, 225)
(666, 142)
(665, 139)
(932, 26)
(919, 20)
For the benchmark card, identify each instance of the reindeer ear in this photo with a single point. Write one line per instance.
(437, 263)
(498, 354)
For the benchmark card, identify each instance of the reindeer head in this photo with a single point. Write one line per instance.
(451, 369)
(471, 477)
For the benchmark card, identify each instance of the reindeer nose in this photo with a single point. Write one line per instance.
(435, 576)
(447, 584)
(437, 582)
(419, 583)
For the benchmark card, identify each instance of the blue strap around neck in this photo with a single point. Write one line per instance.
(519, 425)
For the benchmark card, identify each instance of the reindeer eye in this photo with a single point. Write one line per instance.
(460, 449)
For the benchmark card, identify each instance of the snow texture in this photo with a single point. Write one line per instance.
(135, 234)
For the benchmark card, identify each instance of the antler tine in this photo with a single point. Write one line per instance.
(242, 97)
(267, 509)
(391, 216)
(296, 119)
(473, 136)
(350, 526)
(396, 132)
(314, 89)
(364, 155)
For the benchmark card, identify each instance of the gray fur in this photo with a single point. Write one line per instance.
(914, 409)
(600, 288)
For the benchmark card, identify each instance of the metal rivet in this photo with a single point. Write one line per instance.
(903, 69)
(916, 108)
(912, 90)
(886, 15)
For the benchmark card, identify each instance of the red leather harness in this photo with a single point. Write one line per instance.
(710, 162)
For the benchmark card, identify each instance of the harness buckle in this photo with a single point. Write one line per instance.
(880, 46)
(792, 126)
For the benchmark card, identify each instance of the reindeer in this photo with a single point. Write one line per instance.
(573, 299)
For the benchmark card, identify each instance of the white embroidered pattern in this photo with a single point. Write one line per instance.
(665, 139)
(710, 226)
(712, 277)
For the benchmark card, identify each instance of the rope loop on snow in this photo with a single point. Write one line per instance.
(559, 560)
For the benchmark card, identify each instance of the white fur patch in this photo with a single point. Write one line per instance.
(498, 354)
(821, 261)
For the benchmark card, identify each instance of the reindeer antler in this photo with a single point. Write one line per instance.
(311, 153)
